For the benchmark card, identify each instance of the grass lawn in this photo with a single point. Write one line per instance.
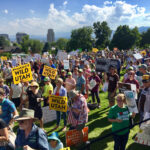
(99, 126)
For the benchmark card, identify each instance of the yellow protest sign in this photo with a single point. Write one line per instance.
(67, 148)
(95, 50)
(3, 58)
(49, 72)
(58, 103)
(143, 52)
(22, 73)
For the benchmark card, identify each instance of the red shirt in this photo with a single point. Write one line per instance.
(133, 82)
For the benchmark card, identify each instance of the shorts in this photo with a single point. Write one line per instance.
(38, 113)
(110, 98)
(16, 101)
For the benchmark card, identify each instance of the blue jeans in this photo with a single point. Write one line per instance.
(97, 97)
(58, 113)
(120, 141)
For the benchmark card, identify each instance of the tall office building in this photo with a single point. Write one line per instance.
(6, 36)
(50, 36)
(19, 36)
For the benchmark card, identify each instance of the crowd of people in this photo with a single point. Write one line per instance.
(23, 102)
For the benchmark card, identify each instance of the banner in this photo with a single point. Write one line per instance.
(72, 136)
(48, 115)
(22, 73)
(58, 103)
(3, 58)
(67, 148)
(66, 64)
(49, 72)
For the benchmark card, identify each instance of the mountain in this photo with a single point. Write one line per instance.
(143, 28)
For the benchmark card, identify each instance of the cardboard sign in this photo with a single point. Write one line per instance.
(3, 58)
(72, 136)
(58, 103)
(22, 73)
(48, 115)
(131, 103)
(49, 72)
(137, 56)
(67, 148)
(95, 50)
(66, 64)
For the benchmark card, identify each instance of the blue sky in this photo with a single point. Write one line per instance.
(36, 16)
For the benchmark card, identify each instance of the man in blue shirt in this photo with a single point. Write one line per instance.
(30, 136)
(7, 108)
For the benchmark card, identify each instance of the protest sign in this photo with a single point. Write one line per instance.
(131, 103)
(22, 73)
(95, 50)
(14, 62)
(137, 56)
(3, 58)
(66, 64)
(62, 55)
(143, 53)
(49, 72)
(92, 84)
(58, 103)
(72, 136)
(67, 148)
(48, 115)
(124, 87)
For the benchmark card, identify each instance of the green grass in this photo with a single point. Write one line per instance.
(99, 126)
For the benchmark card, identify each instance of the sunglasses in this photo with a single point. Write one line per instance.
(34, 86)
(21, 121)
(130, 74)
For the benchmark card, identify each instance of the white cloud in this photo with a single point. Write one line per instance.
(117, 13)
(5, 11)
(107, 2)
(65, 3)
(32, 11)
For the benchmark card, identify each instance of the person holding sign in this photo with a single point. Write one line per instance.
(119, 116)
(60, 91)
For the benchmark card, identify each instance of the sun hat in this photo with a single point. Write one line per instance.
(46, 79)
(25, 114)
(69, 73)
(54, 136)
(145, 78)
(73, 94)
(34, 84)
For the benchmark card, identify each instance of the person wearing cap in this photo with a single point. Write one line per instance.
(30, 136)
(60, 91)
(34, 96)
(112, 79)
(70, 82)
(4, 87)
(143, 69)
(95, 90)
(75, 73)
(54, 142)
(48, 90)
(78, 112)
(144, 104)
(63, 76)
(80, 85)
(7, 109)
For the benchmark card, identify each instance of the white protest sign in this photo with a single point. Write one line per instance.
(48, 115)
(37, 56)
(131, 103)
(92, 84)
(137, 56)
(103, 53)
(14, 62)
(66, 64)
(62, 55)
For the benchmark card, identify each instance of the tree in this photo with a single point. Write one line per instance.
(102, 33)
(145, 41)
(125, 38)
(80, 38)
(46, 47)
(36, 46)
(3, 42)
(61, 43)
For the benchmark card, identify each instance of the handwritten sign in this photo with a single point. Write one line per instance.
(48, 115)
(66, 64)
(72, 136)
(58, 103)
(49, 72)
(22, 73)
(3, 58)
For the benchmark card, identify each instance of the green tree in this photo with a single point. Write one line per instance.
(80, 38)
(61, 43)
(46, 47)
(145, 41)
(36, 46)
(125, 38)
(102, 33)
(3, 42)
(137, 37)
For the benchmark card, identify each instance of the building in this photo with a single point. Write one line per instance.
(50, 35)
(6, 36)
(19, 37)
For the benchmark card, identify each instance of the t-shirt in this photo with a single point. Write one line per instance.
(80, 82)
(8, 73)
(47, 88)
(98, 80)
(17, 90)
(116, 112)
(70, 84)
(112, 82)
(133, 82)
(7, 107)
